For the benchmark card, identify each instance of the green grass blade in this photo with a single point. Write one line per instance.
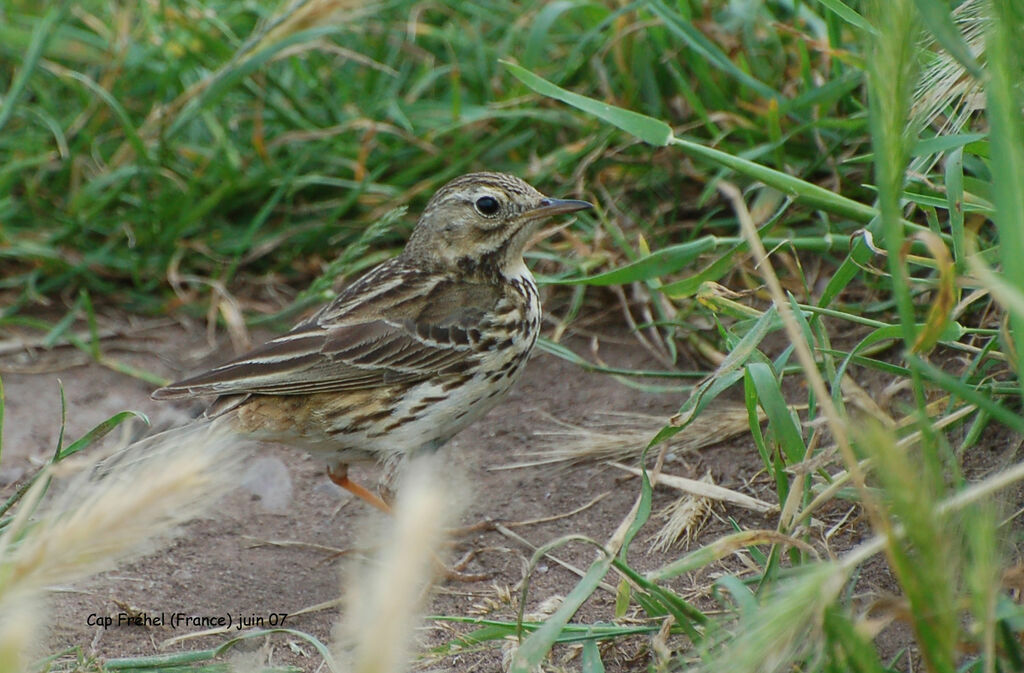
(590, 658)
(226, 78)
(500, 630)
(97, 433)
(696, 41)
(968, 393)
(535, 648)
(848, 14)
(659, 601)
(801, 190)
(659, 263)
(321, 649)
(643, 510)
(954, 175)
(540, 29)
(648, 129)
(771, 399)
(939, 144)
(890, 78)
(658, 133)
(851, 651)
(42, 34)
(921, 554)
(1006, 61)
(2, 407)
(725, 375)
(122, 115)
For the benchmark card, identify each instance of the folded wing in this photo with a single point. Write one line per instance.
(420, 328)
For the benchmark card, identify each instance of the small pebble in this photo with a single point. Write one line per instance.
(269, 479)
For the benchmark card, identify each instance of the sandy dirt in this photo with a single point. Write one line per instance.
(221, 564)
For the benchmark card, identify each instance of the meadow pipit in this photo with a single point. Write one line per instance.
(411, 353)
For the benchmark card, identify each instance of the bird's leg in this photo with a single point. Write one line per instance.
(339, 475)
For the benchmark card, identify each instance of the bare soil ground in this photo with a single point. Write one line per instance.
(224, 565)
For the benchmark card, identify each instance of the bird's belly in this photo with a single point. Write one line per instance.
(433, 412)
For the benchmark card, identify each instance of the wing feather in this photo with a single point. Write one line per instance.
(387, 328)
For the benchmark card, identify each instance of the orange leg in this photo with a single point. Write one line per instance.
(340, 477)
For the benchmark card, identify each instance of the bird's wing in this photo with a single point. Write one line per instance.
(399, 327)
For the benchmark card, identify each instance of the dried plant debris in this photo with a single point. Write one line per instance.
(622, 436)
(684, 518)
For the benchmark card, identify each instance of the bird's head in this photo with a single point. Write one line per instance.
(481, 222)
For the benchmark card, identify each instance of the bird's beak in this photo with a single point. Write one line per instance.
(549, 207)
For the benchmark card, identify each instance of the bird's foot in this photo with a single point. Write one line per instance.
(339, 475)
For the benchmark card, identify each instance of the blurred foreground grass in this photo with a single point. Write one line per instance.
(822, 170)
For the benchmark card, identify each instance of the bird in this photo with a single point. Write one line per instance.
(408, 355)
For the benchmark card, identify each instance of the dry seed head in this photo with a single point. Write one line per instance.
(101, 518)
(684, 518)
(383, 604)
(621, 436)
(19, 622)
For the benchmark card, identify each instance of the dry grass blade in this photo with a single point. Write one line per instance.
(840, 479)
(705, 489)
(837, 422)
(306, 14)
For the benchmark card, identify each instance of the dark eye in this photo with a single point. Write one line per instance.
(487, 205)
